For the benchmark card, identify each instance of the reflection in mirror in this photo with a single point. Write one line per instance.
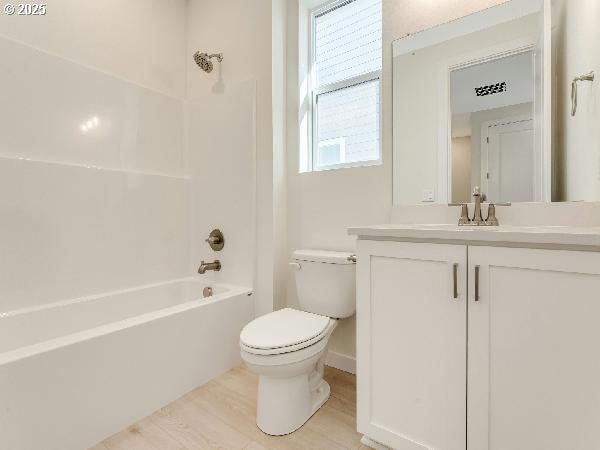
(492, 134)
(469, 108)
(506, 99)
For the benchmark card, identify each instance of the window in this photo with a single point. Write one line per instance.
(345, 84)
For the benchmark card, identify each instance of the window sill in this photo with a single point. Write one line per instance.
(356, 165)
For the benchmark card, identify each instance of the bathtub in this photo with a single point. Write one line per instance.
(74, 372)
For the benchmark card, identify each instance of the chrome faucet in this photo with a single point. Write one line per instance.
(216, 266)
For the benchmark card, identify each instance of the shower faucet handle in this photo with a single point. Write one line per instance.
(216, 240)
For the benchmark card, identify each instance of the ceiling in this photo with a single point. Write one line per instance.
(516, 71)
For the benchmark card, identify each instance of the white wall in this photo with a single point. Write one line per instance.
(222, 167)
(242, 31)
(140, 40)
(578, 145)
(322, 205)
(461, 169)
(279, 49)
(84, 212)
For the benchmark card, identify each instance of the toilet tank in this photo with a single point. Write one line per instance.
(325, 282)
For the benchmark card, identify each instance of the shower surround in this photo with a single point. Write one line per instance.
(101, 308)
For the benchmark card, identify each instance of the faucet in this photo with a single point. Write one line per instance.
(477, 220)
(478, 197)
(216, 266)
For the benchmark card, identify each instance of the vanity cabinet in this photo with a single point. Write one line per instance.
(505, 360)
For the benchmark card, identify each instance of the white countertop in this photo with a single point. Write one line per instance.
(525, 235)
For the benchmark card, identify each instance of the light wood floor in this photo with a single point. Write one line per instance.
(221, 414)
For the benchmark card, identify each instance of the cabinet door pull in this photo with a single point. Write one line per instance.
(476, 283)
(455, 277)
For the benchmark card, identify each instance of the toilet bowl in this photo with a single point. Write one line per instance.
(287, 348)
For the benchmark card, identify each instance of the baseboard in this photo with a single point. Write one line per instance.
(341, 361)
(366, 440)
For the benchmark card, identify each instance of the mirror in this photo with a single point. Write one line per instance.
(485, 101)
(492, 141)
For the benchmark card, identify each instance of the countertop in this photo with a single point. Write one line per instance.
(535, 236)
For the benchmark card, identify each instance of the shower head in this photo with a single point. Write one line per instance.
(203, 60)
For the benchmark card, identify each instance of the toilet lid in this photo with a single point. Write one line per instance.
(283, 328)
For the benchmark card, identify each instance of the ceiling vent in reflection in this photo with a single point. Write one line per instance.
(490, 89)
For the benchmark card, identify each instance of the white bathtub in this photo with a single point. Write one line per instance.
(75, 372)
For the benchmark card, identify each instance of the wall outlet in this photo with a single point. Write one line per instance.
(428, 196)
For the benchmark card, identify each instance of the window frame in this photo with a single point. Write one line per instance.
(313, 150)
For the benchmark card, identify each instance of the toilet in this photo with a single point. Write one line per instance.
(287, 348)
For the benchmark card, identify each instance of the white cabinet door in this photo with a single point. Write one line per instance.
(411, 344)
(534, 350)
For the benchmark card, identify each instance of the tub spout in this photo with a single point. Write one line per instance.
(216, 266)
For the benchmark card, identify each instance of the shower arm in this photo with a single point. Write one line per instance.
(218, 56)
(586, 77)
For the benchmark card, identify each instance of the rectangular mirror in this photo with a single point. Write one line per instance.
(485, 101)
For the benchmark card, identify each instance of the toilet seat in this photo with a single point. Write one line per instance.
(288, 358)
(284, 331)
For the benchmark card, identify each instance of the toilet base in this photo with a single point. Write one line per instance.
(285, 404)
